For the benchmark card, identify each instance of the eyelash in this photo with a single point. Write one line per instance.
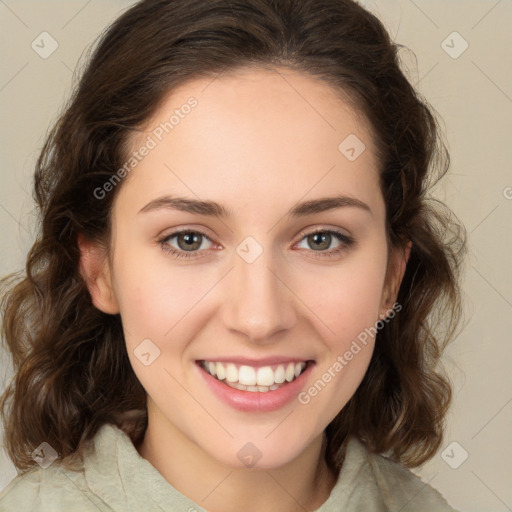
(346, 243)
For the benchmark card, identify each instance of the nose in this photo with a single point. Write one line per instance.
(258, 302)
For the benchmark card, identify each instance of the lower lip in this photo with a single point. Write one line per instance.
(256, 401)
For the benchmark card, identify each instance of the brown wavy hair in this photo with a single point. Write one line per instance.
(72, 372)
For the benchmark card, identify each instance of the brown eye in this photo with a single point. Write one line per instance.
(188, 243)
(189, 240)
(319, 241)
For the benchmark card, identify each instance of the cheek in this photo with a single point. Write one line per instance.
(153, 298)
(347, 298)
(156, 303)
(350, 308)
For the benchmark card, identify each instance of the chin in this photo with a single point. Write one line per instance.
(253, 452)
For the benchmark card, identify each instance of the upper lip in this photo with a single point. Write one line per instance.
(265, 361)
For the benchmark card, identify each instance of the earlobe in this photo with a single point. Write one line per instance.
(396, 271)
(95, 270)
(408, 251)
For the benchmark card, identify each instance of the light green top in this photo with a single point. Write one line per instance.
(116, 478)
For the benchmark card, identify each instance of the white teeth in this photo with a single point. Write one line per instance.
(247, 378)
(231, 373)
(241, 387)
(290, 372)
(279, 375)
(265, 376)
(221, 372)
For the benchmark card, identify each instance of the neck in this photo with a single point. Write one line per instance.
(303, 484)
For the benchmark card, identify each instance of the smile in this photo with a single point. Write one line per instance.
(254, 379)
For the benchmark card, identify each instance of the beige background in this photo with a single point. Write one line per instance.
(473, 95)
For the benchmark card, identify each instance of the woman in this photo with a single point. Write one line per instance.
(231, 303)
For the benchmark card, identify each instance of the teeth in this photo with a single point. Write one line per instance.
(221, 372)
(231, 372)
(247, 378)
(246, 375)
(262, 389)
(279, 375)
(265, 376)
(290, 372)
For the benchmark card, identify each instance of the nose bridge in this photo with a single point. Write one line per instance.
(257, 303)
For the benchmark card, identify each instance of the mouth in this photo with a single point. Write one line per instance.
(255, 379)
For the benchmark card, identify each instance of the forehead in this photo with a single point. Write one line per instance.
(272, 97)
(253, 134)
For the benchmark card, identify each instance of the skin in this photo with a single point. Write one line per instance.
(258, 142)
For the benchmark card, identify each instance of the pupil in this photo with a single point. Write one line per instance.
(190, 239)
(319, 237)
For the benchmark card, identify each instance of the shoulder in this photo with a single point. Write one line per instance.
(110, 476)
(60, 487)
(390, 484)
(53, 489)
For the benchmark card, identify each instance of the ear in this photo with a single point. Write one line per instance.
(395, 273)
(95, 270)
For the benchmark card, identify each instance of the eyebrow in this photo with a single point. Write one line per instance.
(213, 209)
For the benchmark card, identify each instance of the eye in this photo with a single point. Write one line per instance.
(188, 243)
(321, 239)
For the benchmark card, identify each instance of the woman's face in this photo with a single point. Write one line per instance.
(249, 284)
